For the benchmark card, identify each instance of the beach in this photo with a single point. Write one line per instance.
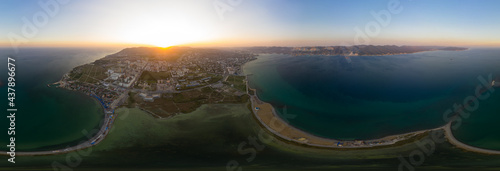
(451, 138)
(268, 118)
(368, 113)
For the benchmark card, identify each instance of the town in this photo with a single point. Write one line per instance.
(162, 81)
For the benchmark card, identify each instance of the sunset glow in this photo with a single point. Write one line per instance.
(251, 23)
(162, 31)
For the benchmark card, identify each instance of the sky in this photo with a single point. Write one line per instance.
(231, 23)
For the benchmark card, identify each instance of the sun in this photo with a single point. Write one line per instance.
(164, 40)
(164, 34)
(165, 37)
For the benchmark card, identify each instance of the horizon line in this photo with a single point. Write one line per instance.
(221, 46)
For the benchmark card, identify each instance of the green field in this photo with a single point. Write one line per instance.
(152, 77)
(238, 82)
(88, 73)
(188, 101)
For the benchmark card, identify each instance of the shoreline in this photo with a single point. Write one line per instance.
(352, 55)
(103, 129)
(452, 140)
(267, 117)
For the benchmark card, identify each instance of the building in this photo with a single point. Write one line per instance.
(149, 97)
(126, 85)
(115, 76)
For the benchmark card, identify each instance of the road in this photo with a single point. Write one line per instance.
(103, 132)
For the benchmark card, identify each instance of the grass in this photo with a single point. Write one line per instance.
(131, 100)
(189, 96)
(238, 82)
(188, 101)
(152, 77)
(162, 107)
(214, 78)
(88, 73)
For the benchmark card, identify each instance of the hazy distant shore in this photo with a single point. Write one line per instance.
(358, 50)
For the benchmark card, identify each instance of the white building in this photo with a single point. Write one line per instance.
(126, 85)
(115, 76)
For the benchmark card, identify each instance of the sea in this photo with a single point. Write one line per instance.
(48, 118)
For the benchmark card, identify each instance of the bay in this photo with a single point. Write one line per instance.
(49, 118)
(376, 96)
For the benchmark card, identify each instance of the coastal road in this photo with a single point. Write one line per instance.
(116, 102)
(101, 134)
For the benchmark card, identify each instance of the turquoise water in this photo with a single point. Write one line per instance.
(49, 118)
(376, 96)
(481, 129)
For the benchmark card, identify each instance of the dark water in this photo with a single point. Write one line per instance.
(376, 96)
(48, 118)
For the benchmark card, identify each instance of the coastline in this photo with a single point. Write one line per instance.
(268, 119)
(101, 131)
(451, 138)
(356, 54)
